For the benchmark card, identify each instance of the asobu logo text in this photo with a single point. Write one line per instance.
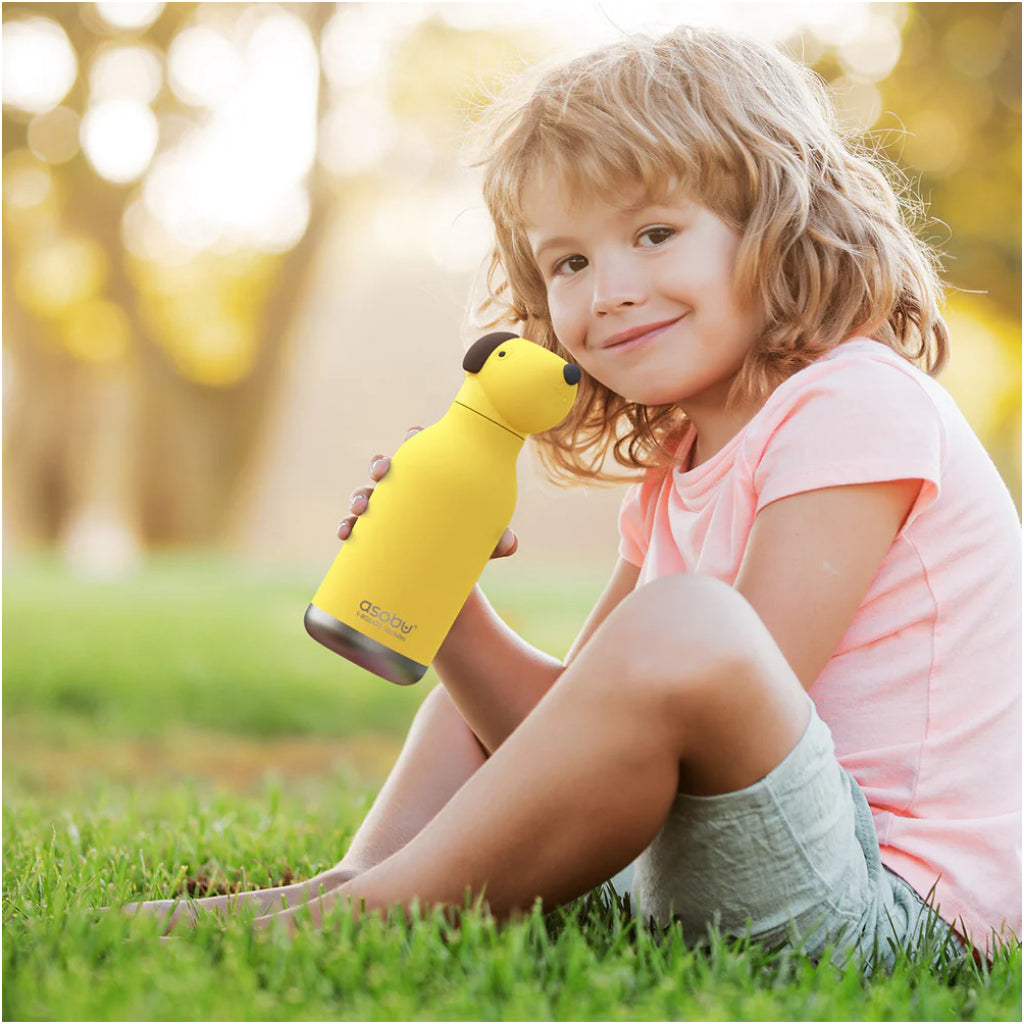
(394, 625)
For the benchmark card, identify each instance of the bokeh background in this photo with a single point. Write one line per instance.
(238, 244)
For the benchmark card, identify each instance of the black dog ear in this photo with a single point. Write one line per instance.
(478, 352)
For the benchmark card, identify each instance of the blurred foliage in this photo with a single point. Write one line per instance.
(187, 347)
(139, 379)
(440, 76)
(949, 116)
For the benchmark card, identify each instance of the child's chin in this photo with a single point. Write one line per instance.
(655, 396)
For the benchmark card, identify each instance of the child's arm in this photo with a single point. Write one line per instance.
(622, 584)
(494, 676)
(810, 559)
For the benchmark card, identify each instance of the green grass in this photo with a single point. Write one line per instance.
(215, 645)
(62, 962)
(202, 658)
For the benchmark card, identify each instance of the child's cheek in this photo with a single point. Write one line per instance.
(561, 322)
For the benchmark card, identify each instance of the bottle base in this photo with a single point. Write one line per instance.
(361, 649)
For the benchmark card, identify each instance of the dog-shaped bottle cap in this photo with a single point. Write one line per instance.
(517, 383)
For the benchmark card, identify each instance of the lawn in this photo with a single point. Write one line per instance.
(180, 727)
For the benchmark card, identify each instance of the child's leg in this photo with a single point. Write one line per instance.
(682, 687)
(439, 754)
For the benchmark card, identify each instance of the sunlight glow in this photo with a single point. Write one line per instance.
(126, 73)
(203, 66)
(354, 51)
(131, 15)
(237, 179)
(872, 54)
(119, 138)
(581, 26)
(39, 64)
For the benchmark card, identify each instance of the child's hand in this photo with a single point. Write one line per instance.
(360, 499)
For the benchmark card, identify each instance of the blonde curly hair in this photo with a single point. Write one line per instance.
(827, 249)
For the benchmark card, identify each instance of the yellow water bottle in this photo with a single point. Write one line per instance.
(400, 580)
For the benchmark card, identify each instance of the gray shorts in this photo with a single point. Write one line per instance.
(792, 860)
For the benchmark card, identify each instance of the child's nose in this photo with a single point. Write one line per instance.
(617, 285)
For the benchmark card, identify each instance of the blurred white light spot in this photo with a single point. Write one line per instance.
(170, 195)
(285, 224)
(98, 544)
(203, 67)
(125, 73)
(873, 53)
(283, 75)
(353, 51)
(146, 238)
(119, 138)
(39, 64)
(129, 15)
(233, 179)
(832, 24)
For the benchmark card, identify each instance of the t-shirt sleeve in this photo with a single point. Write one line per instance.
(850, 422)
(634, 537)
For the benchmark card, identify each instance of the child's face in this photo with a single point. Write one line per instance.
(643, 298)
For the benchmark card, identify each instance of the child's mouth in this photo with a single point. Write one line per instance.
(629, 343)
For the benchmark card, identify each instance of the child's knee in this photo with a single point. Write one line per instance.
(694, 653)
(687, 630)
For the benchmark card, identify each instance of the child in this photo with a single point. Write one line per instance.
(796, 706)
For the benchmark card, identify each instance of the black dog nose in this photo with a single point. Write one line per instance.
(572, 373)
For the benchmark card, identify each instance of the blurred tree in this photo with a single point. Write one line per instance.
(140, 379)
(957, 90)
(948, 113)
(142, 351)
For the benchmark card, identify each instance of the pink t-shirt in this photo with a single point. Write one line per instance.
(922, 695)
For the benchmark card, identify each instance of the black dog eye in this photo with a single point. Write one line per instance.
(501, 354)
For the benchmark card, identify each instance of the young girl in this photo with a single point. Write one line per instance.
(796, 707)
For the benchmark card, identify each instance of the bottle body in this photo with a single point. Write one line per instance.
(399, 582)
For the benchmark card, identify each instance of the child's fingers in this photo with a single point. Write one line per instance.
(345, 527)
(360, 499)
(380, 464)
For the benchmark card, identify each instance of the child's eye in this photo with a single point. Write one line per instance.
(656, 235)
(569, 265)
